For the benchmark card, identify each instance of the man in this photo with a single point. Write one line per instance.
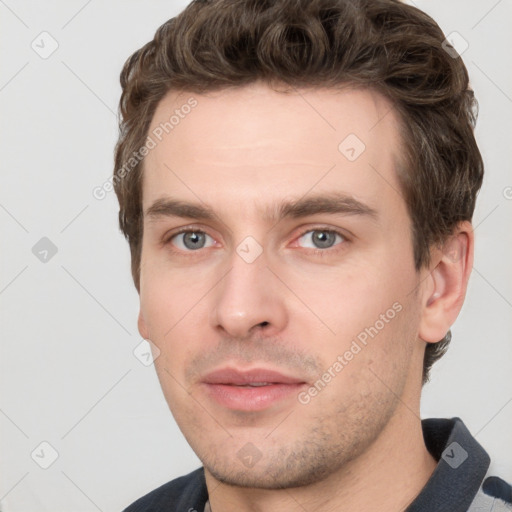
(296, 182)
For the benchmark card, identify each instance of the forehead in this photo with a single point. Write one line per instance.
(272, 143)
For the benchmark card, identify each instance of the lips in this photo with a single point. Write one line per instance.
(257, 376)
(251, 390)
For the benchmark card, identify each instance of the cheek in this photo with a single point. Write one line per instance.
(166, 297)
(372, 322)
(349, 299)
(174, 315)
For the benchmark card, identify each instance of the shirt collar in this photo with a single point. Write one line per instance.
(462, 465)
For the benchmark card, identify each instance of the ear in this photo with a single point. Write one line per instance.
(141, 324)
(445, 286)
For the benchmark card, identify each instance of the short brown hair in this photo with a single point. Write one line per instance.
(394, 48)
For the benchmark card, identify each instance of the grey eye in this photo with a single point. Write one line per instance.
(190, 240)
(321, 238)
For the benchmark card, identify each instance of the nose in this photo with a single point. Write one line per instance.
(249, 298)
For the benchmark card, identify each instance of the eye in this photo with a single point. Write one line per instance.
(319, 239)
(190, 240)
(322, 238)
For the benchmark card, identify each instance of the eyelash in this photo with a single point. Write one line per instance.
(316, 252)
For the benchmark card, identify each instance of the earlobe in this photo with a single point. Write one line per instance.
(141, 324)
(445, 286)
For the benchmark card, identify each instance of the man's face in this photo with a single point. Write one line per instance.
(326, 298)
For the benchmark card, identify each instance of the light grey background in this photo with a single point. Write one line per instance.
(68, 373)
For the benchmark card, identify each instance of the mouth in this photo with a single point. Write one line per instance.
(252, 390)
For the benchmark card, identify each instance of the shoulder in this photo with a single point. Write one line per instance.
(495, 486)
(495, 494)
(185, 493)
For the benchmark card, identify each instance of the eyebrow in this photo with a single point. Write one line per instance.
(327, 203)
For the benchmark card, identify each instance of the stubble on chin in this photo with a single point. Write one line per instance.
(322, 448)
